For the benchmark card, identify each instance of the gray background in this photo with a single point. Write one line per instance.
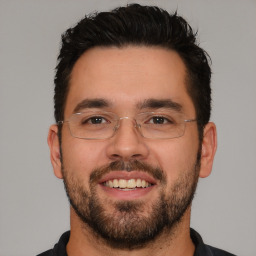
(33, 205)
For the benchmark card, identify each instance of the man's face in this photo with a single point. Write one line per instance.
(129, 81)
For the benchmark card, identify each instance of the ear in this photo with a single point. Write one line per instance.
(54, 145)
(209, 146)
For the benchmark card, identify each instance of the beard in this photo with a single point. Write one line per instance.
(131, 224)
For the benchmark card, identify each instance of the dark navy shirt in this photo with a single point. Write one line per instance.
(201, 248)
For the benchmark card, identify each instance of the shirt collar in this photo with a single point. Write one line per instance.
(201, 248)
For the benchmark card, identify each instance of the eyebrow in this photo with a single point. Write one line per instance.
(157, 103)
(91, 103)
(148, 103)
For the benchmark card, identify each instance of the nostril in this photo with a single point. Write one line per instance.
(136, 156)
(127, 143)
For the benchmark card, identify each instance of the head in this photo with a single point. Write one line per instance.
(137, 25)
(128, 189)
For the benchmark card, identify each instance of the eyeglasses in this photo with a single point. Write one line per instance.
(96, 125)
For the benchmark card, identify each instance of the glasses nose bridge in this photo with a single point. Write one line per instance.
(135, 124)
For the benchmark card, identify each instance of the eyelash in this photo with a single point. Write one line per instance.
(89, 120)
(150, 120)
(165, 119)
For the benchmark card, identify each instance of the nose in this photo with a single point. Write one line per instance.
(127, 143)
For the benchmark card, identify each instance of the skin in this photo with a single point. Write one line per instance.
(124, 77)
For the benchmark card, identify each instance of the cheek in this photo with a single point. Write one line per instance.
(176, 156)
(80, 157)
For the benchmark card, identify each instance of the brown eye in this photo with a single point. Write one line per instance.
(95, 120)
(159, 120)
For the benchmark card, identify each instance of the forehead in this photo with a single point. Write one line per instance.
(126, 76)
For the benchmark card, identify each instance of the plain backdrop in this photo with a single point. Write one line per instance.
(34, 210)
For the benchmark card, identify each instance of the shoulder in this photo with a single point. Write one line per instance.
(203, 249)
(218, 252)
(60, 248)
(47, 253)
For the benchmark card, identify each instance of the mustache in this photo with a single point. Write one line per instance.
(133, 165)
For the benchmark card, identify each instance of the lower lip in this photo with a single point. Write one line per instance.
(127, 194)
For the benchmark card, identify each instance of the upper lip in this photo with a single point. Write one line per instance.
(127, 176)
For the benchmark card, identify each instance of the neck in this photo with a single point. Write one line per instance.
(176, 242)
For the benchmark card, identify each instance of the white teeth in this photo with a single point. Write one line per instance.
(138, 183)
(131, 183)
(115, 183)
(124, 184)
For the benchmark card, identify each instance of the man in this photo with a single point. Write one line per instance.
(132, 133)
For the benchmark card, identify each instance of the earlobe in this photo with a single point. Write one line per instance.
(53, 143)
(209, 146)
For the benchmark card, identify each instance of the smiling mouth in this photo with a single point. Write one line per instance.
(130, 184)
